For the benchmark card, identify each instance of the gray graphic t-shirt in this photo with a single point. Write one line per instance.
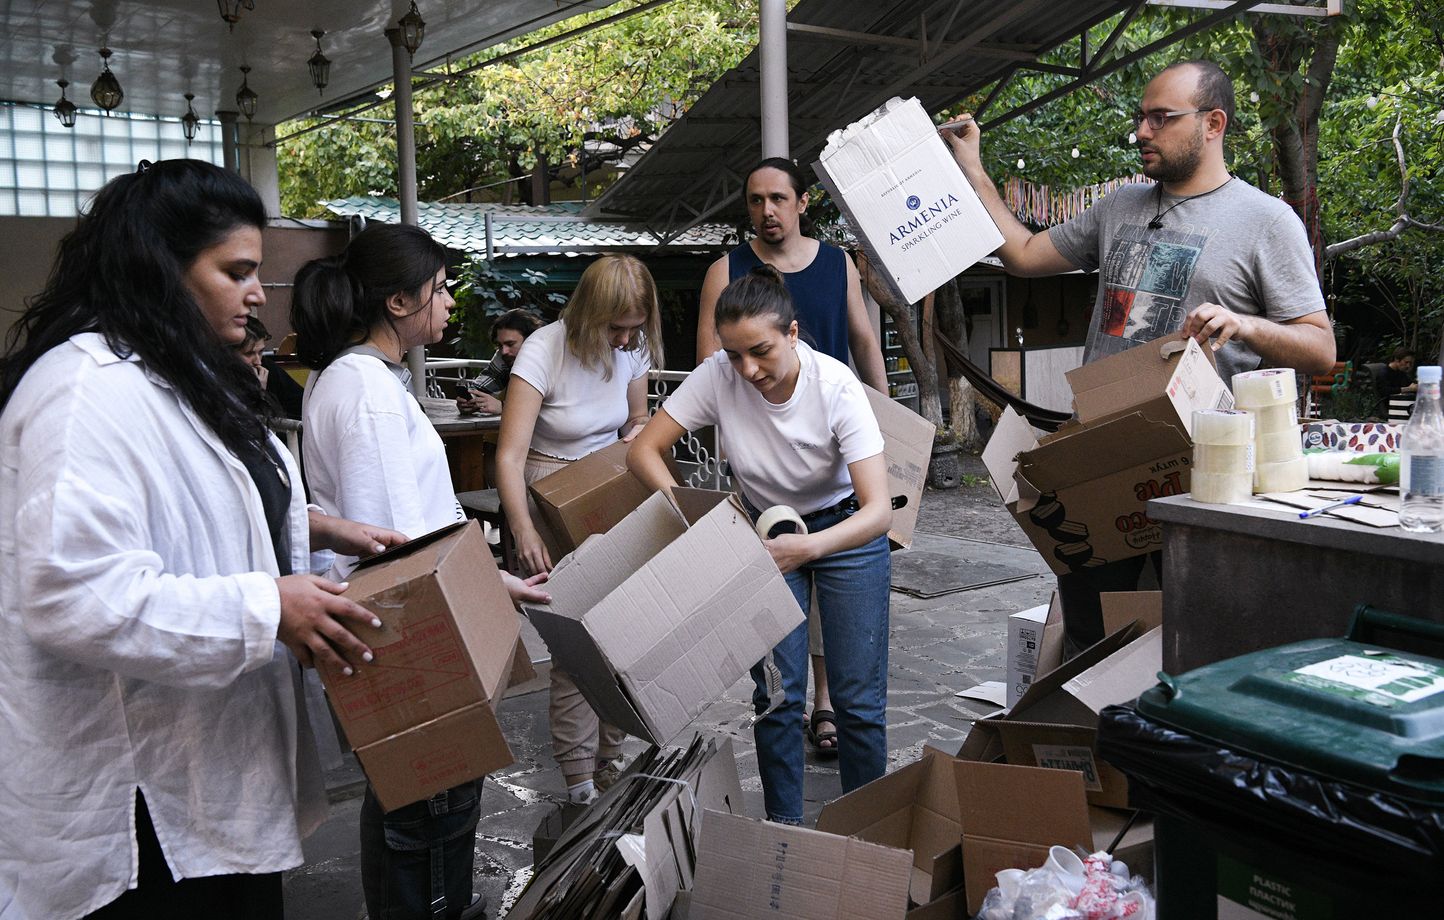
(1237, 247)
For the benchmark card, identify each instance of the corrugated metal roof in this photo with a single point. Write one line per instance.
(937, 50)
(556, 229)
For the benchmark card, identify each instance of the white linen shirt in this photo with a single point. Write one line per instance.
(371, 453)
(138, 617)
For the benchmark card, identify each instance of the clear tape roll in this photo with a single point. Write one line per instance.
(775, 515)
(1288, 476)
(1279, 446)
(1222, 426)
(1271, 387)
(1223, 459)
(1274, 419)
(1221, 488)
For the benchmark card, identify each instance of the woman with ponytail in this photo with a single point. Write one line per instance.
(151, 530)
(799, 432)
(371, 452)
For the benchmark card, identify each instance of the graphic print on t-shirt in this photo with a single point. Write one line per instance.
(1145, 278)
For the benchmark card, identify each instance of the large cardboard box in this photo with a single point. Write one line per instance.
(1035, 645)
(894, 179)
(908, 448)
(914, 808)
(748, 868)
(1011, 815)
(588, 496)
(1055, 723)
(657, 617)
(1081, 493)
(422, 716)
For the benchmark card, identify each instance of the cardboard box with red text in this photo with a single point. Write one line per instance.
(908, 448)
(422, 717)
(1035, 645)
(657, 617)
(914, 808)
(1080, 494)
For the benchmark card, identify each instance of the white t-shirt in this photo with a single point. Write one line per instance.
(794, 453)
(371, 454)
(580, 412)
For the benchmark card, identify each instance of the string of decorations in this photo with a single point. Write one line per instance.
(1043, 206)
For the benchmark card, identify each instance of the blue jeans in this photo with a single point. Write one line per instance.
(852, 599)
(416, 861)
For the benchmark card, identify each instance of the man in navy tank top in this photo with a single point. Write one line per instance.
(831, 317)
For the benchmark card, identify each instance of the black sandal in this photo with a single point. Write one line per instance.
(824, 742)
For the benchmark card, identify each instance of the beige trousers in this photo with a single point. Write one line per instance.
(579, 738)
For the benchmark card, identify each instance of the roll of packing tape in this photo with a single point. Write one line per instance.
(1223, 459)
(1221, 488)
(1288, 476)
(1222, 426)
(1274, 419)
(769, 522)
(1272, 387)
(1278, 446)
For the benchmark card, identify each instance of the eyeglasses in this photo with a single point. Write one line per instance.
(1157, 120)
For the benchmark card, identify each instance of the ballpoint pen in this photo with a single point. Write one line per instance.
(1351, 500)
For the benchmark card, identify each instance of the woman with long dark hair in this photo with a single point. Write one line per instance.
(152, 533)
(371, 452)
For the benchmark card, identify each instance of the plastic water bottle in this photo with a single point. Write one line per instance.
(1421, 460)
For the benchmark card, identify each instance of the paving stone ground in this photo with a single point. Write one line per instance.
(939, 646)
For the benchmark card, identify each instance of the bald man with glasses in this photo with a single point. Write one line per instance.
(1196, 249)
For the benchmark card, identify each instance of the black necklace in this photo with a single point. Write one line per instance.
(1159, 213)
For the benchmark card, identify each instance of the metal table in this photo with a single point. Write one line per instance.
(1239, 578)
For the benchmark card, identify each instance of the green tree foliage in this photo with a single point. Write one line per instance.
(621, 83)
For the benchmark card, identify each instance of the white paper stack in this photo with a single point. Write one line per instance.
(896, 182)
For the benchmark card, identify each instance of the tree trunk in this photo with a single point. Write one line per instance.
(961, 397)
(924, 365)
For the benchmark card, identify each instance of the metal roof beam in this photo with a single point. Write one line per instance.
(1330, 7)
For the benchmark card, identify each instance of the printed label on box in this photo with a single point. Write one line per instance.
(1069, 757)
(429, 655)
(1379, 680)
(1245, 893)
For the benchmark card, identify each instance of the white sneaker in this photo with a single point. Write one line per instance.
(608, 772)
(583, 793)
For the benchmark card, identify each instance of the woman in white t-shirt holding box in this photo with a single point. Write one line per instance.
(799, 432)
(577, 385)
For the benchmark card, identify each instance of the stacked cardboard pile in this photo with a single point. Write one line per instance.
(631, 852)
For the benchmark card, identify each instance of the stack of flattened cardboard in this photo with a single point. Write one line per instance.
(634, 849)
(1081, 493)
(657, 617)
(1030, 777)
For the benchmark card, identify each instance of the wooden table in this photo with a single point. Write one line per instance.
(1238, 578)
(470, 443)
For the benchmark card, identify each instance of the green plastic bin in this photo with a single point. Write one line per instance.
(1304, 782)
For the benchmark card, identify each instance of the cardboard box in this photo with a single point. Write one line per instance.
(914, 808)
(422, 716)
(588, 496)
(657, 617)
(1011, 815)
(748, 868)
(1035, 645)
(917, 218)
(1081, 493)
(908, 449)
(1055, 723)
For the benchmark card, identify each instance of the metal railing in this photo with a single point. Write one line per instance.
(699, 453)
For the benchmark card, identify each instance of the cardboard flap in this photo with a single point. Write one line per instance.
(572, 648)
(1116, 382)
(695, 504)
(584, 577)
(1123, 607)
(1122, 676)
(413, 548)
(1027, 805)
(1093, 452)
(1047, 683)
(1011, 436)
(907, 449)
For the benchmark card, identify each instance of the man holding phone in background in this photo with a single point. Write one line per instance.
(484, 394)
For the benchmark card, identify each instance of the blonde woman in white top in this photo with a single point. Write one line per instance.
(577, 385)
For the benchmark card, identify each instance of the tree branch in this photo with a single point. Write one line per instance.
(1402, 220)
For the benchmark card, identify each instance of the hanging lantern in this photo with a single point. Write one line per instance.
(319, 64)
(65, 109)
(190, 121)
(231, 10)
(246, 97)
(413, 29)
(106, 89)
